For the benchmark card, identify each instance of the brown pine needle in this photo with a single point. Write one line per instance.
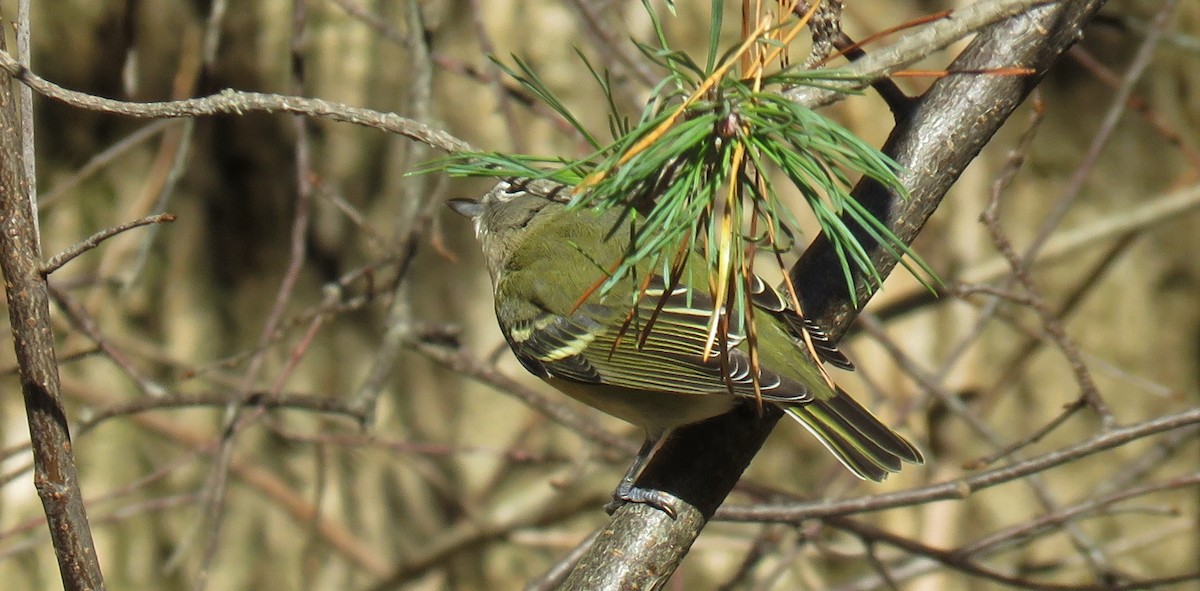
(591, 290)
(804, 336)
(764, 26)
(786, 39)
(729, 229)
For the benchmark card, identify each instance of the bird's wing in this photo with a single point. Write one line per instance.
(770, 299)
(657, 344)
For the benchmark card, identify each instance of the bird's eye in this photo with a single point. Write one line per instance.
(506, 191)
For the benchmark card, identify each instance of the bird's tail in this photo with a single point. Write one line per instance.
(860, 441)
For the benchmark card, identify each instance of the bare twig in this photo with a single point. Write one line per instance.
(612, 48)
(468, 534)
(953, 560)
(104, 158)
(492, 74)
(282, 495)
(1117, 109)
(1019, 533)
(964, 487)
(554, 577)
(57, 261)
(328, 404)
(1053, 326)
(86, 323)
(1143, 217)
(409, 226)
(233, 102)
(1138, 104)
(461, 361)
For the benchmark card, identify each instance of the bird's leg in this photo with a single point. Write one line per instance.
(626, 492)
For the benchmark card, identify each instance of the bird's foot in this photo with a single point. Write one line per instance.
(627, 493)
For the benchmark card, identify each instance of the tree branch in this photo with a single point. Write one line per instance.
(33, 340)
(229, 102)
(700, 464)
(962, 487)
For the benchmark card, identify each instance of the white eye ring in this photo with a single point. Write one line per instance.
(506, 192)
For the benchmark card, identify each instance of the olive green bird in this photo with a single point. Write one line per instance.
(647, 359)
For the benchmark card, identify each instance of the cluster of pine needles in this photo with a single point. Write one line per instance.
(697, 166)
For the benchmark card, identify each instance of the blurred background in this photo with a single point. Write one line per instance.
(219, 370)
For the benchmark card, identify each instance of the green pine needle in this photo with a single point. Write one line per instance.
(729, 141)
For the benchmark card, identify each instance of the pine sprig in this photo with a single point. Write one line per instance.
(696, 167)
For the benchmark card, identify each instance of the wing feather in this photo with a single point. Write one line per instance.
(662, 347)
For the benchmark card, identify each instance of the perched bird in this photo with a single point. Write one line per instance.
(647, 359)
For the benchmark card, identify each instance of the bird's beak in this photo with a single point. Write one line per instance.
(468, 208)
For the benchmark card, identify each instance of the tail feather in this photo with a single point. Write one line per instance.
(859, 440)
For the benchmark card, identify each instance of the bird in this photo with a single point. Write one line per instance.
(641, 349)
